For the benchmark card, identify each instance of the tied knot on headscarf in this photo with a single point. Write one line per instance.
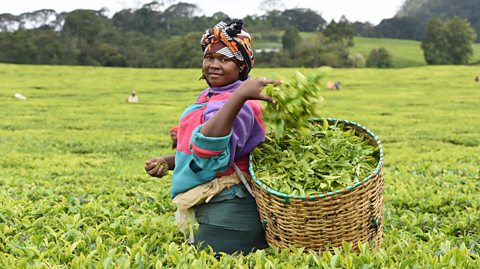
(234, 27)
(230, 39)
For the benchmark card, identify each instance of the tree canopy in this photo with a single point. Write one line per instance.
(151, 36)
(424, 10)
(141, 37)
(448, 42)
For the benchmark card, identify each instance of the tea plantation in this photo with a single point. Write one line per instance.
(73, 192)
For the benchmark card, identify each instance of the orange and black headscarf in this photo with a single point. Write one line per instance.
(230, 39)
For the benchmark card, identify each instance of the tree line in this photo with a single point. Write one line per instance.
(145, 37)
(151, 37)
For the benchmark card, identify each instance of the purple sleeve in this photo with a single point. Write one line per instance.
(247, 132)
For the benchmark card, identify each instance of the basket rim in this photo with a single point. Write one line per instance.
(349, 188)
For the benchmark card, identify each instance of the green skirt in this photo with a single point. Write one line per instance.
(230, 223)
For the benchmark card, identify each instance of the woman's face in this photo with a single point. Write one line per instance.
(219, 70)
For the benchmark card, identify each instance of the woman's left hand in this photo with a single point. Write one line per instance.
(252, 89)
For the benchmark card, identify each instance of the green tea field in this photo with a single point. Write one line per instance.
(74, 194)
(405, 53)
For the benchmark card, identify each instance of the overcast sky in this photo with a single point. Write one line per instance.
(355, 10)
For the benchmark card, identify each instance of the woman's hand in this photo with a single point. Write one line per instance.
(252, 89)
(221, 123)
(156, 167)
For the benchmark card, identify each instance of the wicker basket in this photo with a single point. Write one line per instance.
(353, 214)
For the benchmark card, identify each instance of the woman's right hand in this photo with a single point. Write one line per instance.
(156, 167)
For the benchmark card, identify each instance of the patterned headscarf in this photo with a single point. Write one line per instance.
(229, 39)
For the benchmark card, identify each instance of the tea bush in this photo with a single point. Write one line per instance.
(73, 192)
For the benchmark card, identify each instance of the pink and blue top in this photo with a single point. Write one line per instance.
(198, 158)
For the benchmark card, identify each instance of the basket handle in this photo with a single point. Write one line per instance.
(243, 179)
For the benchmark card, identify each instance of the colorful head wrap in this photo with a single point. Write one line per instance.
(229, 39)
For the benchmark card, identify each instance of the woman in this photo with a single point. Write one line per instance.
(216, 134)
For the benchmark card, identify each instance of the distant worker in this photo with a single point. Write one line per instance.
(20, 96)
(173, 136)
(333, 85)
(133, 98)
(477, 78)
(338, 85)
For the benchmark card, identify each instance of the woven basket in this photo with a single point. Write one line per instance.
(353, 214)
